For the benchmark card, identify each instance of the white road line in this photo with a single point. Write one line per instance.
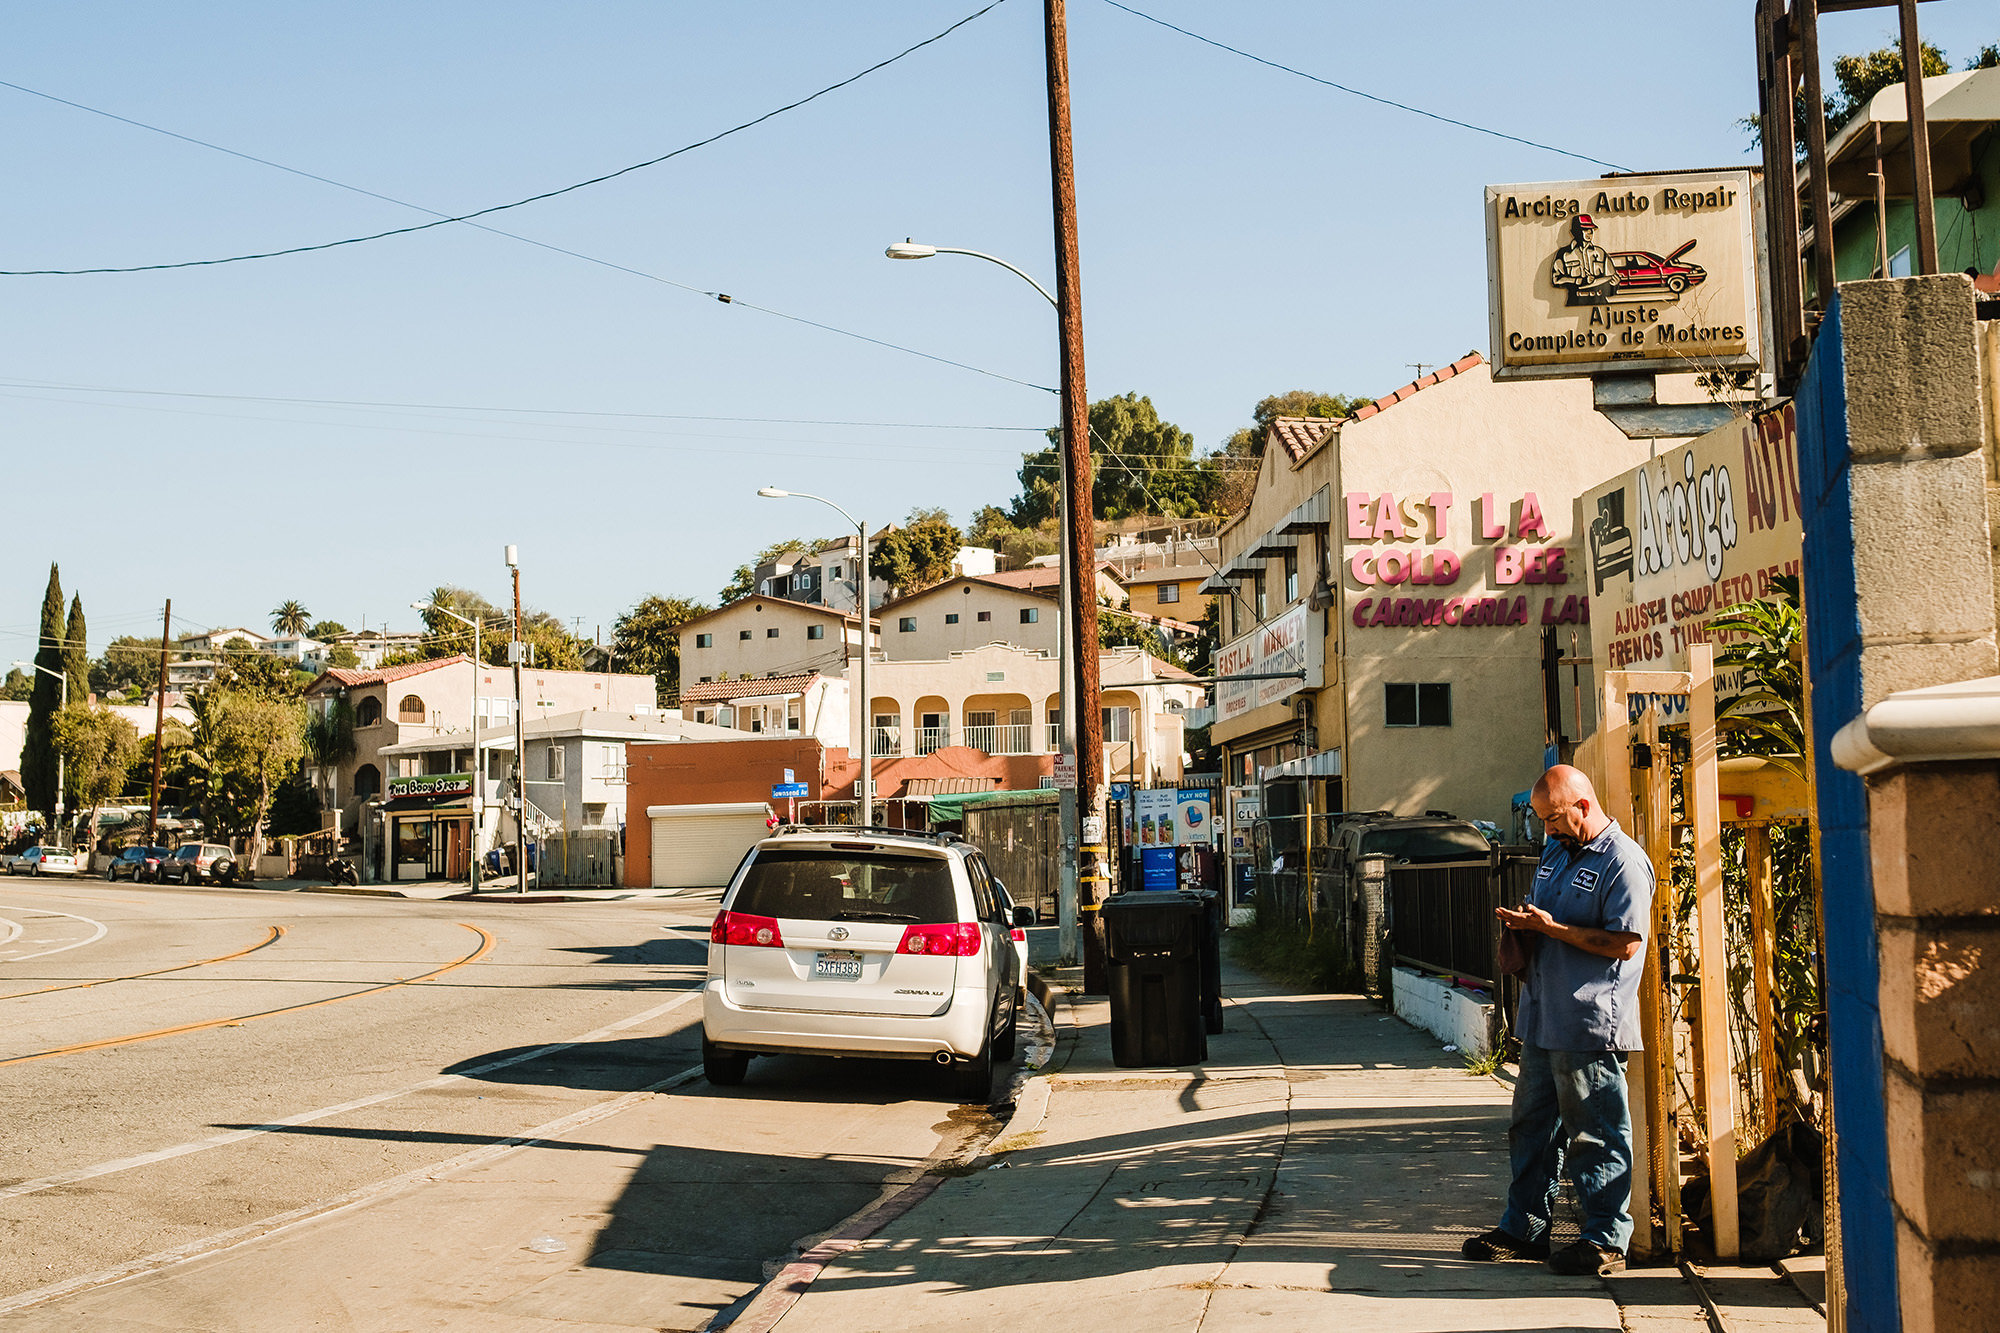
(326, 1112)
(102, 931)
(13, 929)
(340, 1203)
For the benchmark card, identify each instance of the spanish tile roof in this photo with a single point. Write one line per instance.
(349, 678)
(1299, 436)
(1438, 376)
(782, 604)
(720, 691)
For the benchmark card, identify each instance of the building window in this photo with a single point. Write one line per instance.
(1411, 705)
(1291, 577)
(367, 713)
(837, 573)
(951, 617)
(704, 641)
(1170, 593)
(906, 625)
(1030, 614)
(1117, 725)
(815, 631)
(742, 634)
(985, 616)
(367, 779)
(557, 767)
(410, 709)
(1263, 613)
(771, 633)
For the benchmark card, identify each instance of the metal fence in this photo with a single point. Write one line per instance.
(1022, 840)
(1441, 916)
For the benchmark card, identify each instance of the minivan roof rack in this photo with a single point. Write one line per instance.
(858, 829)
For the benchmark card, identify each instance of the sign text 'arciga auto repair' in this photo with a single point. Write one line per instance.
(1627, 273)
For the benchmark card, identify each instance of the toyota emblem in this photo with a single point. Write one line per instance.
(837, 933)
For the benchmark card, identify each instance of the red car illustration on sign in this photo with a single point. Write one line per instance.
(1644, 271)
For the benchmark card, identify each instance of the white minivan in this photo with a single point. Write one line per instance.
(863, 942)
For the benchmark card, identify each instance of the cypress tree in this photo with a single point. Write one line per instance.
(38, 754)
(76, 665)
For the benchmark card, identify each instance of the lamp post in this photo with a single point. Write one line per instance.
(62, 676)
(478, 760)
(517, 652)
(866, 805)
(1066, 898)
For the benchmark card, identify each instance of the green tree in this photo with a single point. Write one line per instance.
(993, 529)
(97, 748)
(341, 655)
(1860, 77)
(38, 753)
(129, 664)
(1248, 441)
(1140, 464)
(647, 638)
(918, 554)
(741, 584)
(325, 629)
(265, 675)
(329, 742)
(76, 654)
(445, 635)
(1987, 58)
(290, 618)
(255, 743)
(553, 647)
(19, 685)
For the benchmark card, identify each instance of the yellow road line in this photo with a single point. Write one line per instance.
(486, 943)
(270, 939)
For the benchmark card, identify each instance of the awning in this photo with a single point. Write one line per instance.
(1315, 515)
(949, 809)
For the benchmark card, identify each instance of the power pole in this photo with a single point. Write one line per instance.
(1079, 532)
(159, 723)
(516, 650)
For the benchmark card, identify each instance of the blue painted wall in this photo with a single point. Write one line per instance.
(1867, 1214)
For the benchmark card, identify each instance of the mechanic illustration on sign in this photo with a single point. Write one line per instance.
(1582, 268)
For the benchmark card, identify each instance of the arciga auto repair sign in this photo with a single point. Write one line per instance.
(1628, 273)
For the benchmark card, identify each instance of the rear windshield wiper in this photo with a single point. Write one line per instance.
(873, 916)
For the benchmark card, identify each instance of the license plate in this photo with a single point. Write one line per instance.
(837, 966)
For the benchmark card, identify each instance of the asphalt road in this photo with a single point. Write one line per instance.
(178, 1068)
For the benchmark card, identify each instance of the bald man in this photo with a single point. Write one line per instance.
(1586, 920)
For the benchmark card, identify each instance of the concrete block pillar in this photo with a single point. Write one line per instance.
(1899, 586)
(1937, 902)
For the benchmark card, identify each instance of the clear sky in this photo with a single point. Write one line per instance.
(1243, 232)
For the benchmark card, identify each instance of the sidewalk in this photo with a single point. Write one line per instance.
(1320, 1171)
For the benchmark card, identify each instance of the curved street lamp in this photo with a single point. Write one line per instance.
(866, 807)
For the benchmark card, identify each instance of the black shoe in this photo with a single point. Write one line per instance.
(1497, 1244)
(1585, 1259)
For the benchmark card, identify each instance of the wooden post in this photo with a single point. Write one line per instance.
(1657, 987)
(1757, 861)
(1615, 728)
(1718, 1095)
(1925, 201)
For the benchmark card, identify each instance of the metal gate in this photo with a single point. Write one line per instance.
(1022, 839)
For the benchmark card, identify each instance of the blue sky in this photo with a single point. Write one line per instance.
(1243, 232)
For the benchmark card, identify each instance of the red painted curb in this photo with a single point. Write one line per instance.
(782, 1292)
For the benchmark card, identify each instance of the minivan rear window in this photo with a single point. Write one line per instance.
(820, 885)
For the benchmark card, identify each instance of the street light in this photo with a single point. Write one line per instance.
(1066, 613)
(62, 676)
(478, 760)
(866, 807)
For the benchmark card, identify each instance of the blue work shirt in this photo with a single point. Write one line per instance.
(1574, 1000)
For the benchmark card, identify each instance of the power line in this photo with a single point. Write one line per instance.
(496, 208)
(1356, 92)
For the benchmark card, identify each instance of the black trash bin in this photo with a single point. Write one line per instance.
(1152, 943)
(1211, 957)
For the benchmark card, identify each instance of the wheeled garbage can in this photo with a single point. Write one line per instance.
(1211, 958)
(1152, 943)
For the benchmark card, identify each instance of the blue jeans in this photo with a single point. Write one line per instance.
(1571, 1104)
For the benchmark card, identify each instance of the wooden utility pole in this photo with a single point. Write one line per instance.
(159, 723)
(1079, 529)
(517, 651)
(1925, 202)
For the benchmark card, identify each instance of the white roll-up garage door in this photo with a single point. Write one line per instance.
(699, 846)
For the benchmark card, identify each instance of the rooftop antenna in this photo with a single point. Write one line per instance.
(1419, 366)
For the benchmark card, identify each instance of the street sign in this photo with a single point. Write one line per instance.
(788, 790)
(1065, 772)
(789, 777)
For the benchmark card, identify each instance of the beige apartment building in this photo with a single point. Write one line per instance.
(767, 636)
(1411, 562)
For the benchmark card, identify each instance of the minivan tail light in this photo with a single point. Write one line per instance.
(758, 932)
(958, 939)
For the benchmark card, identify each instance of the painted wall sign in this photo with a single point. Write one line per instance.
(431, 784)
(1640, 273)
(1400, 584)
(1677, 539)
(1288, 642)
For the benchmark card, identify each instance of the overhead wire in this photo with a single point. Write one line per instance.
(1366, 96)
(440, 219)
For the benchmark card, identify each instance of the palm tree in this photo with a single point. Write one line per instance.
(290, 618)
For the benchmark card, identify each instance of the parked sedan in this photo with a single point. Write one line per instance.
(200, 863)
(44, 861)
(138, 864)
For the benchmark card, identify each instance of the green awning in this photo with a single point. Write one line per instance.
(951, 808)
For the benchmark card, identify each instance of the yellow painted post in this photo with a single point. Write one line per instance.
(1659, 987)
(1716, 1088)
(1615, 757)
(1757, 861)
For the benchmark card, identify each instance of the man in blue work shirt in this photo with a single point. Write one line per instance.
(1585, 928)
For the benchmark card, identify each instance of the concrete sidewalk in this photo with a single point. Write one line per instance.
(1321, 1170)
